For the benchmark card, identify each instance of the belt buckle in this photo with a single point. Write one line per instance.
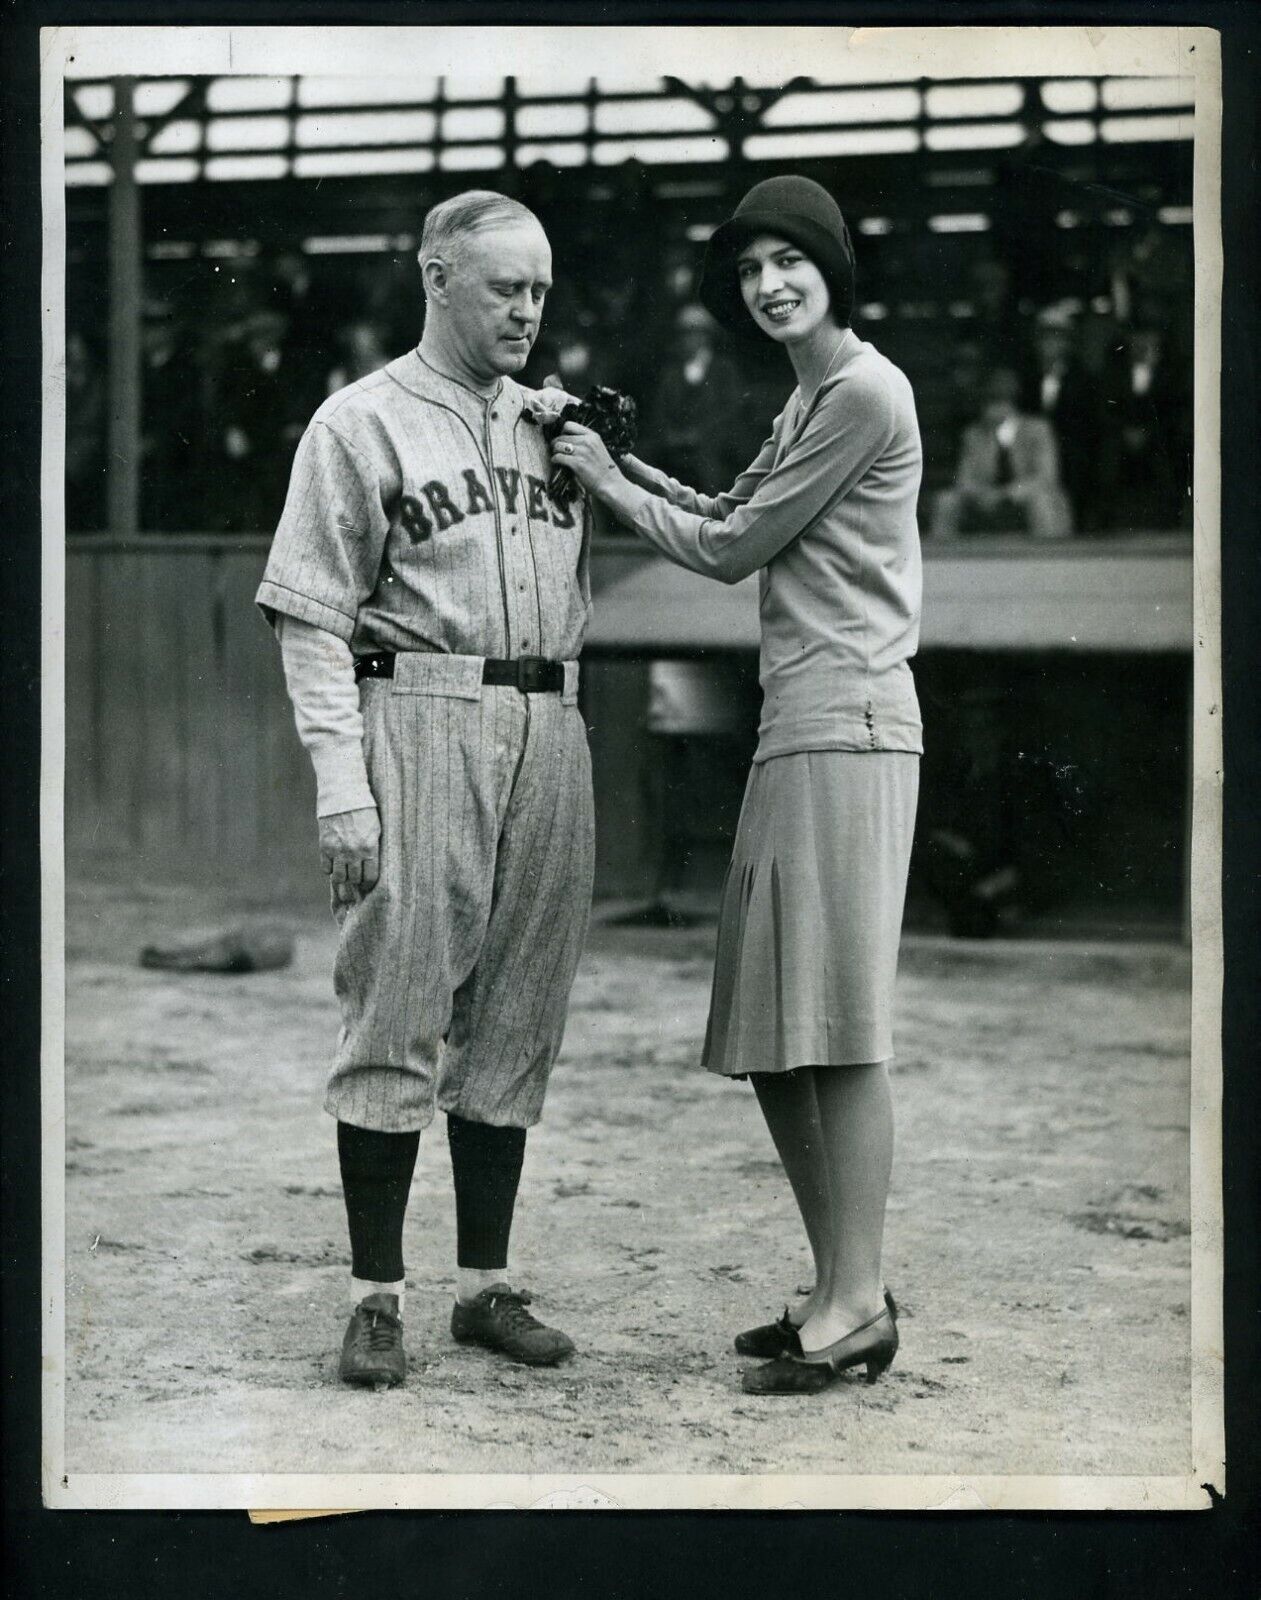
(530, 673)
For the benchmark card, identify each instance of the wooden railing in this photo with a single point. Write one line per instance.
(179, 739)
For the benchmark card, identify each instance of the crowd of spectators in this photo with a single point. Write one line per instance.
(1069, 416)
(1082, 425)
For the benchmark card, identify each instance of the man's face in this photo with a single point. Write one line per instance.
(494, 297)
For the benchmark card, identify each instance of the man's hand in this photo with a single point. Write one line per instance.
(350, 850)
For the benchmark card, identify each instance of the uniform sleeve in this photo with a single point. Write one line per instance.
(320, 677)
(326, 555)
(848, 428)
(691, 500)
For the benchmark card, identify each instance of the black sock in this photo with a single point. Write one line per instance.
(486, 1166)
(376, 1179)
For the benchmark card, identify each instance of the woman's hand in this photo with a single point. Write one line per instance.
(585, 454)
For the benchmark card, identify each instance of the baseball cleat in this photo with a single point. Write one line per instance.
(498, 1320)
(372, 1351)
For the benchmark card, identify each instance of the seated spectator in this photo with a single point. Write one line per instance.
(1008, 477)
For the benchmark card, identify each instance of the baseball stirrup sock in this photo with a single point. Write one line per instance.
(376, 1180)
(486, 1167)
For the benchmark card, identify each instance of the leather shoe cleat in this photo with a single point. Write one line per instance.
(498, 1320)
(372, 1351)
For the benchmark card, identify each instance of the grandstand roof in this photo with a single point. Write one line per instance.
(208, 129)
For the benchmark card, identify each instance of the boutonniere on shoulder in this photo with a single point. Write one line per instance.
(608, 412)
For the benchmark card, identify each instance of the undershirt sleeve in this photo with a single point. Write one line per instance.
(320, 676)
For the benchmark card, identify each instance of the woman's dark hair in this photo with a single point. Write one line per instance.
(796, 209)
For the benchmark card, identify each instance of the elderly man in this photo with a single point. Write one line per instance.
(431, 601)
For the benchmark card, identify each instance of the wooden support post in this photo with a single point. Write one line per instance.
(125, 293)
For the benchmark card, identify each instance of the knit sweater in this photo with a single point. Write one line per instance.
(826, 515)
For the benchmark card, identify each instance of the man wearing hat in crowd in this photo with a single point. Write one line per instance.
(1008, 478)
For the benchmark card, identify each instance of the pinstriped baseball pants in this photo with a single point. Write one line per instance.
(453, 974)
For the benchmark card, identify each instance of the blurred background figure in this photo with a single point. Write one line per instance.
(260, 412)
(1058, 388)
(701, 722)
(1001, 325)
(701, 716)
(692, 421)
(575, 363)
(1146, 462)
(1008, 478)
(361, 345)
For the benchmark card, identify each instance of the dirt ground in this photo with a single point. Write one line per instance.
(1037, 1241)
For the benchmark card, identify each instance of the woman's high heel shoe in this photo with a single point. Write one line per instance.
(771, 1339)
(872, 1344)
(781, 1338)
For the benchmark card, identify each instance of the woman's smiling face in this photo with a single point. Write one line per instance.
(785, 292)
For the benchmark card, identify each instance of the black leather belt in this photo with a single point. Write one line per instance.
(530, 674)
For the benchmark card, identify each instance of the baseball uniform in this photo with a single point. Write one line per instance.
(418, 523)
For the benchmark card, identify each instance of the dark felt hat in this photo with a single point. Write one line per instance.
(797, 209)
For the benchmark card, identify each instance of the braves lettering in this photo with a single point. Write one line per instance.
(509, 482)
(411, 515)
(478, 499)
(563, 516)
(440, 503)
(536, 501)
(434, 509)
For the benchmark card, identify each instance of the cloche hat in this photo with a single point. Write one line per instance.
(793, 208)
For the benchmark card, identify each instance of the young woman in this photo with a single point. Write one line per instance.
(812, 905)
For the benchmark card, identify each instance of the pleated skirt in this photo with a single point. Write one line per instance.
(811, 913)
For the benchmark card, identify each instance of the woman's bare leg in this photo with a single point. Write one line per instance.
(791, 1108)
(855, 1109)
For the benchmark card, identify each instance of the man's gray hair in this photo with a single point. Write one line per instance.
(453, 220)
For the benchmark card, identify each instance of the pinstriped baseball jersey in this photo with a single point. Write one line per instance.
(418, 518)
